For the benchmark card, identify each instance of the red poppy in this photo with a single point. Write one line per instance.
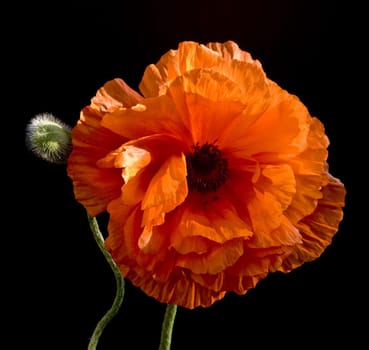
(212, 178)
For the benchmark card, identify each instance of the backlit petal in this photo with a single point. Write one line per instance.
(128, 157)
(265, 212)
(279, 181)
(174, 63)
(284, 234)
(319, 228)
(115, 93)
(309, 168)
(214, 261)
(94, 187)
(281, 130)
(229, 50)
(167, 190)
(206, 110)
(154, 116)
(214, 219)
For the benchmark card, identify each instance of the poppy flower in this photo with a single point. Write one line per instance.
(213, 176)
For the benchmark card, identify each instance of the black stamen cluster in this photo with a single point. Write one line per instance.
(207, 168)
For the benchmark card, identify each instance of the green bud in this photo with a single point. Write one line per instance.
(49, 138)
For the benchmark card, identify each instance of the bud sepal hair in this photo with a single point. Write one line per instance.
(49, 138)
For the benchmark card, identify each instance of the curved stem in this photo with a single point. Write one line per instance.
(119, 282)
(167, 327)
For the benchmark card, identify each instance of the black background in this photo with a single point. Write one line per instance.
(57, 284)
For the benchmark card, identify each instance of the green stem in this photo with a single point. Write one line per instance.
(167, 327)
(119, 282)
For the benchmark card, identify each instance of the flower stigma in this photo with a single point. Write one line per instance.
(207, 168)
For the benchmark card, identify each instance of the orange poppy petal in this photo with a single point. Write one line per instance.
(230, 51)
(257, 262)
(215, 282)
(191, 56)
(275, 189)
(278, 180)
(193, 244)
(239, 67)
(214, 219)
(206, 84)
(94, 187)
(319, 228)
(311, 161)
(174, 63)
(216, 260)
(265, 212)
(309, 169)
(180, 289)
(127, 157)
(308, 192)
(241, 284)
(236, 88)
(285, 234)
(164, 282)
(154, 116)
(281, 130)
(167, 189)
(115, 93)
(205, 118)
(125, 231)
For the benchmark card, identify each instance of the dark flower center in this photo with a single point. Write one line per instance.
(207, 169)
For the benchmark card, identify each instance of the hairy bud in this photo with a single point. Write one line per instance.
(49, 138)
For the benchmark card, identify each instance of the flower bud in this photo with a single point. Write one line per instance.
(49, 138)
